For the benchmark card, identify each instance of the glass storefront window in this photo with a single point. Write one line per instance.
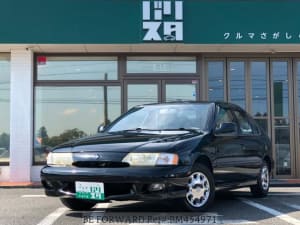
(237, 83)
(282, 147)
(258, 74)
(4, 106)
(259, 96)
(263, 123)
(77, 68)
(281, 114)
(280, 86)
(139, 94)
(215, 73)
(113, 103)
(66, 113)
(161, 65)
(298, 89)
(298, 99)
(187, 92)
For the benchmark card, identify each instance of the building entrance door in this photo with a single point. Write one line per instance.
(139, 92)
(282, 117)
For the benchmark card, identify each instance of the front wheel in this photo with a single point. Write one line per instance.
(261, 188)
(200, 189)
(77, 204)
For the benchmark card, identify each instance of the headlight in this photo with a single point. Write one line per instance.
(59, 159)
(151, 159)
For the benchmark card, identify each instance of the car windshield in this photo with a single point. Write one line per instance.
(164, 117)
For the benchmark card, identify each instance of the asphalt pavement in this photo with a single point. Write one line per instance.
(29, 206)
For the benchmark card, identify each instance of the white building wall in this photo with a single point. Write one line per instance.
(21, 115)
(35, 173)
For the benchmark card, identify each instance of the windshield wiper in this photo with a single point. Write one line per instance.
(138, 129)
(193, 130)
(141, 130)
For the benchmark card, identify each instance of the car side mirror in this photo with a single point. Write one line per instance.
(100, 129)
(226, 129)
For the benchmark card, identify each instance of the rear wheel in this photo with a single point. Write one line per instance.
(261, 188)
(200, 189)
(77, 204)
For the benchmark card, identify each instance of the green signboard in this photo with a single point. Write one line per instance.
(148, 21)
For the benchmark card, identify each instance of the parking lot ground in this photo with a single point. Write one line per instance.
(29, 206)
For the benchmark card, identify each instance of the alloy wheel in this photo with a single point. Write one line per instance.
(198, 189)
(265, 178)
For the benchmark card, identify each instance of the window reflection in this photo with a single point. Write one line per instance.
(282, 146)
(298, 98)
(280, 86)
(66, 113)
(113, 103)
(4, 106)
(187, 92)
(237, 83)
(281, 112)
(259, 88)
(215, 73)
(77, 68)
(298, 87)
(141, 94)
(263, 123)
(161, 65)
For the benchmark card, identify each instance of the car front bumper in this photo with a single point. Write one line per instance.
(130, 183)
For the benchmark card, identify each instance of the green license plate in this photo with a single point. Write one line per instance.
(89, 190)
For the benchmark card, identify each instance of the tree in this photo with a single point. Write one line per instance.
(67, 135)
(43, 133)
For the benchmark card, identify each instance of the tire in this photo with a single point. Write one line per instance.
(77, 204)
(261, 188)
(204, 192)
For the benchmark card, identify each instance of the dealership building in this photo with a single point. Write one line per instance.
(67, 67)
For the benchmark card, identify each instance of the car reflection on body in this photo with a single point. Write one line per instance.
(183, 151)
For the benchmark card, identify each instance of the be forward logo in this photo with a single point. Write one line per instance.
(163, 20)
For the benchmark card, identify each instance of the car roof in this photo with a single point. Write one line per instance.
(219, 103)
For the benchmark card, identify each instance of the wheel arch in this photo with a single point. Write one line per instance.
(268, 160)
(204, 160)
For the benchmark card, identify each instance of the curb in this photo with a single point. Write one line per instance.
(285, 183)
(20, 185)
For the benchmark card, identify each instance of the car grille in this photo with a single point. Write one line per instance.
(100, 164)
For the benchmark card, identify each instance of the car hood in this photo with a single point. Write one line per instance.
(127, 142)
